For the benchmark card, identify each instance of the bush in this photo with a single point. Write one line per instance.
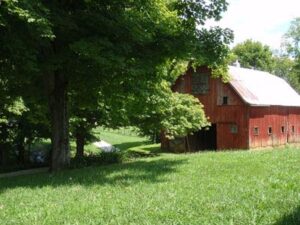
(104, 158)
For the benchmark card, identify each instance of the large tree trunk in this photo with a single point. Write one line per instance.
(3, 155)
(60, 154)
(20, 143)
(21, 150)
(79, 145)
(4, 147)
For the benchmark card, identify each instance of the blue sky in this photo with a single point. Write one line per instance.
(261, 20)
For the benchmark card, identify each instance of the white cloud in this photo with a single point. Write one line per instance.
(262, 20)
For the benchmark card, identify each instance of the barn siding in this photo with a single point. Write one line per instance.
(246, 117)
(224, 116)
(294, 120)
(275, 117)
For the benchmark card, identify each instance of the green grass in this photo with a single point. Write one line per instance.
(136, 146)
(243, 187)
(121, 139)
(126, 139)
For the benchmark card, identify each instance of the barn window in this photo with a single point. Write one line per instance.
(256, 131)
(293, 129)
(233, 128)
(200, 83)
(225, 100)
(270, 130)
(282, 129)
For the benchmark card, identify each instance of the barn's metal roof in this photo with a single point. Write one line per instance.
(262, 88)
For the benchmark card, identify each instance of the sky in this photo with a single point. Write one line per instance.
(261, 20)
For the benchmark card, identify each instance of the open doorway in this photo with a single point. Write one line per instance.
(205, 139)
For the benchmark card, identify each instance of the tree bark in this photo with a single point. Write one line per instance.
(79, 145)
(21, 150)
(20, 143)
(60, 154)
(4, 147)
(3, 155)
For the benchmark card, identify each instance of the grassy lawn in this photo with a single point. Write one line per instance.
(126, 139)
(243, 187)
(121, 139)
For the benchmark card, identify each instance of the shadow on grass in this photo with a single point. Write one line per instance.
(290, 219)
(127, 145)
(145, 151)
(126, 174)
(152, 148)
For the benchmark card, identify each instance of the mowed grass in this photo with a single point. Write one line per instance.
(244, 187)
(125, 139)
(120, 138)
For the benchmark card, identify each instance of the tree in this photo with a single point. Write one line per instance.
(285, 67)
(292, 39)
(174, 114)
(292, 43)
(21, 122)
(104, 46)
(253, 54)
(10, 113)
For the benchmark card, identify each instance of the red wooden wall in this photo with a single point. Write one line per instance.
(264, 118)
(294, 121)
(224, 116)
(276, 117)
(244, 116)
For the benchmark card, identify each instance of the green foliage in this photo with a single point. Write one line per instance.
(20, 126)
(195, 13)
(243, 187)
(182, 114)
(104, 158)
(253, 54)
(292, 39)
(11, 110)
(109, 54)
(10, 116)
(163, 110)
(31, 12)
(285, 67)
(291, 46)
(17, 108)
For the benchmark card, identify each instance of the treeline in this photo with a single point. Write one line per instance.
(284, 62)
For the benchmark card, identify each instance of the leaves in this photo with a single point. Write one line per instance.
(32, 12)
(292, 38)
(253, 54)
(175, 114)
(119, 59)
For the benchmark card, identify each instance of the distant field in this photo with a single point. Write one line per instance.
(243, 187)
(122, 138)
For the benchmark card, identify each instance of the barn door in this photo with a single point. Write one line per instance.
(205, 139)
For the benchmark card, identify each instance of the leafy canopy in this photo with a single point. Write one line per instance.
(108, 54)
(253, 54)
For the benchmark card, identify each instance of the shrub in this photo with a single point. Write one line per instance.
(104, 158)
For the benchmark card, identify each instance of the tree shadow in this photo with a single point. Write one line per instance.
(126, 174)
(126, 145)
(290, 219)
(145, 151)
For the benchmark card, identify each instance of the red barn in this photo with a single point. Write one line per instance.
(254, 109)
